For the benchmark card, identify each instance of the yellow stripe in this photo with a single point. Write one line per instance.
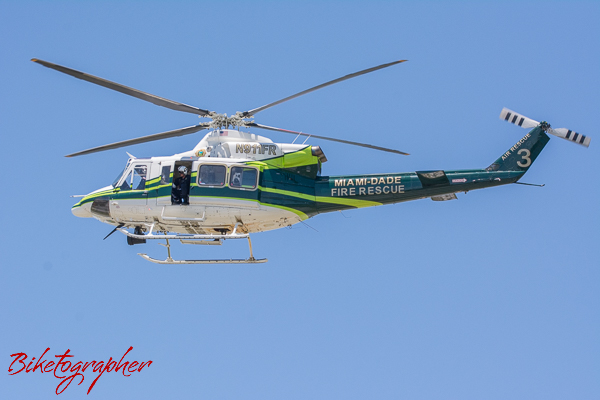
(109, 191)
(302, 215)
(153, 181)
(298, 213)
(347, 202)
(323, 199)
(288, 193)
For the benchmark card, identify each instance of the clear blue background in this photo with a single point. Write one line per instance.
(493, 296)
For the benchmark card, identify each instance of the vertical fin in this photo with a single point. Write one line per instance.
(520, 156)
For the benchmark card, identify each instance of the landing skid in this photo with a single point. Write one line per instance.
(170, 260)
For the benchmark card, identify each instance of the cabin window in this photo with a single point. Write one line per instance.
(212, 175)
(243, 178)
(165, 175)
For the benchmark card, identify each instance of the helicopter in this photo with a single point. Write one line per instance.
(235, 183)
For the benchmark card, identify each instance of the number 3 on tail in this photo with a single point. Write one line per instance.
(525, 158)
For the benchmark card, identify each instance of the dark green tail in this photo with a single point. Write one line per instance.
(523, 153)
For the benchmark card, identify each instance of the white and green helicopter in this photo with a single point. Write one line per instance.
(234, 183)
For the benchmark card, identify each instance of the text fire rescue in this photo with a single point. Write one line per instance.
(366, 186)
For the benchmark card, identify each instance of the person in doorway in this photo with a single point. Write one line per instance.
(181, 187)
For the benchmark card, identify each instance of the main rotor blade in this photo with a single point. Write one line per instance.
(343, 78)
(370, 146)
(159, 101)
(144, 139)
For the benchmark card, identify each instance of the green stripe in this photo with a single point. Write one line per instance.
(324, 199)
(320, 199)
(91, 197)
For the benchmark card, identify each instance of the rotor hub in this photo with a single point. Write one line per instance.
(545, 126)
(222, 121)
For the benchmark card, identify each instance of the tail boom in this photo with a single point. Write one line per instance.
(355, 191)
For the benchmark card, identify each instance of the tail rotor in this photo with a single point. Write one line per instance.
(525, 122)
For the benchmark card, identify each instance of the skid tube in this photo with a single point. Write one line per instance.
(170, 260)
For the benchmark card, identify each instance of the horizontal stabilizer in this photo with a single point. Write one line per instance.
(444, 197)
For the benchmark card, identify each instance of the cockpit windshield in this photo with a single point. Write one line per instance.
(114, 184)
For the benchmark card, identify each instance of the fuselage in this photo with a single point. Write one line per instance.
(244, 180)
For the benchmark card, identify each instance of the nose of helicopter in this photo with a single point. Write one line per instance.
(88, 208)
(82, 211)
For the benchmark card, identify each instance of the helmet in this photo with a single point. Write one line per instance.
(182, 169)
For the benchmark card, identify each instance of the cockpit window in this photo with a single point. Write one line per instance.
(136, 179)
(118, 178)
(139, 177)
(126, 185)
(114, 184)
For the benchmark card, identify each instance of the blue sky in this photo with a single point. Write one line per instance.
(494, 295)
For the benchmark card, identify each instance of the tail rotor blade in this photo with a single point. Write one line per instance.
(564, 133)
(571, 136)
(518, 119)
